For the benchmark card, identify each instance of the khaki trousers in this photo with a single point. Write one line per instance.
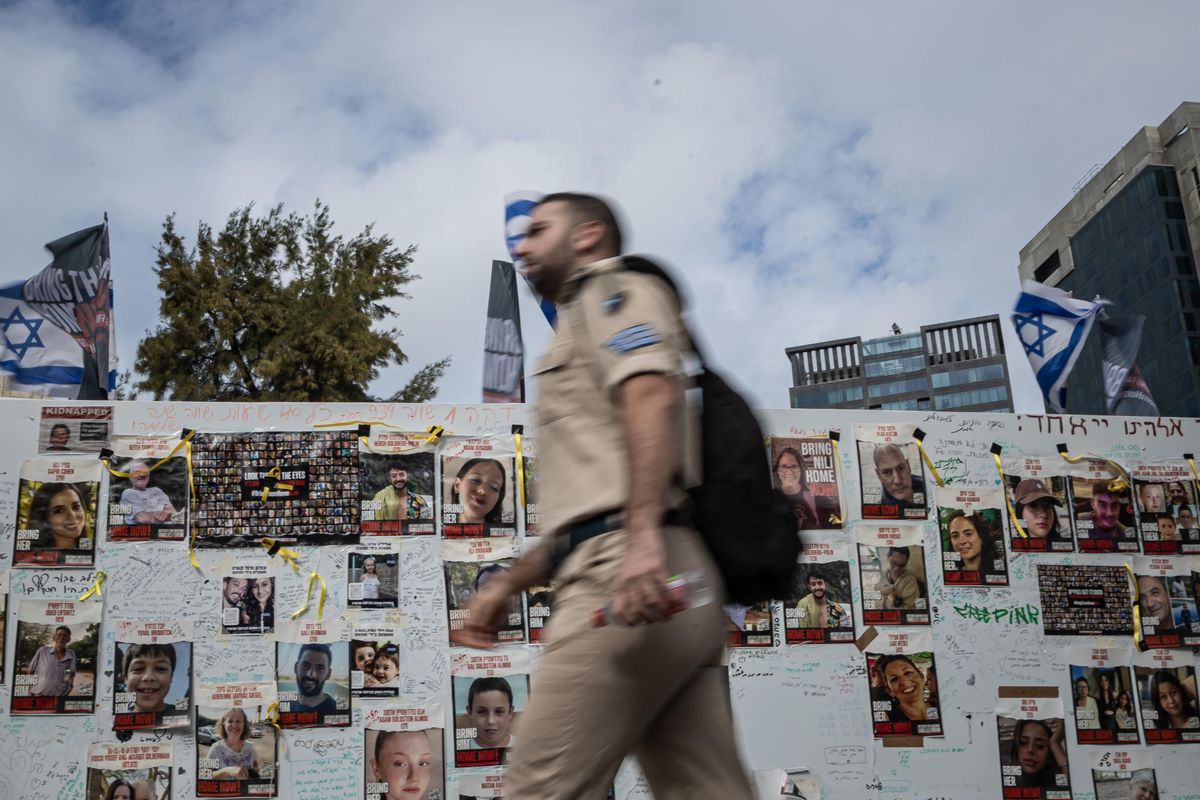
(656, 691)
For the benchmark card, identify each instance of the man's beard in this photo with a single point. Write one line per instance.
(319, 688)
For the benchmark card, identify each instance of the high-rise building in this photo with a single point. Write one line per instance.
(950, 366)
(1130, 235)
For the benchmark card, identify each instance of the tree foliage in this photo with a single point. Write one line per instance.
(277, 307)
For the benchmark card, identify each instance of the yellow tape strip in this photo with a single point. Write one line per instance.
(272, 716)
(834, 519)
(276, 473)
(289, 556)
(95, 588)
(119, 474)
(1012, 512)
(520, 469)
(434, 432)
(929, 463)
(1118, 484)
(191, 517)
(313, 577)
(1137, 607)
(1191, 462)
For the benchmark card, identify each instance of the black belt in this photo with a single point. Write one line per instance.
(599, 524)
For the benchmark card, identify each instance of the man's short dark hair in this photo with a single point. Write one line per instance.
(816, 573)
(589, 207)
(315, 648)
(902, 551)
(149, 651)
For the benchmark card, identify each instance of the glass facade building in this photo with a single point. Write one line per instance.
(954, 365)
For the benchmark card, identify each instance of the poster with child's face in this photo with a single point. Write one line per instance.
(891, 473)
(1124, 775)
(248, 598)
(56, 512)
(74, 429)
(469, 565)
(396, 483)
(375, 664)
(147, 495)
(312, 670)
(804, 471)
(1166, 602)
(490, 692)
(1032, 740)
(55, 667)
(971, 530)
(235, 740)
(373, 577)
(1039, 498)
(1102, 509)
(1102, 693)
(402, 754)
(1165, 496)
(891, 567)
(1166, 682)
(152, 675)
(478, 497)
(903, 684)
(132, 771)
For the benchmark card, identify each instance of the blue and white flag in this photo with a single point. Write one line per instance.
(55, 328)
(518, 208)
(1052, 327)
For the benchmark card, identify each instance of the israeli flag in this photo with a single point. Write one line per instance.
(39, 357)
(1052, 327)
(518, 209)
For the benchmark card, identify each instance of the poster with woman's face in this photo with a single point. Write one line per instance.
(469, 565)
(248, 598)
(56, 512)
(819, 609)
(1166, 602)
(1032, 740)
(55, 659)
(1039, 497)
(891, 567)
(396, 483)
(490, 692)
(891, 473)
(235, 740)
(1103, 695)
(1124, 774)
(971, 528)
(903, 683)
(402, 754)
(147, 490)
(804, 470)
(1166, 682)
(1165, 496)
(478, 497)
(529, 474)
(375, 661)
(1102, 509)
(133, 771)
(152, 675)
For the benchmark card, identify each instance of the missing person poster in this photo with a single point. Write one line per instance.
(375, 661)
(903, 682)
(1167, 602)
(469, 564)
(1124, 774)
(541, 600)
(1103, 695)
(54, 664)
(491, 690)
(402, 753)
(749, 626)
(129, 771)
(396, 483)
(295, 487)
(150, 500)
(971, 530)
(530, 517)
(1166, 681)
(891, 474)
(152, 675)
(1038, 492)
(478, 497)
(235, 740)
(804, 470)
(891, 569)
(1101, 509)
(312, 671)
(1033, 751)
(56, 512)
(1085, 600)
(479, 786)
(373, 575)
(74, 429)
(248, 597)
(819, 608)
(1165, 495)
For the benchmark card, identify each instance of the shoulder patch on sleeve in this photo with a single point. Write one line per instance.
(633, 338)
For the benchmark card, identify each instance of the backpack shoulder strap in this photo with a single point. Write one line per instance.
(645, 266)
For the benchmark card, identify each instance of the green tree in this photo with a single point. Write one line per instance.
(277, 307)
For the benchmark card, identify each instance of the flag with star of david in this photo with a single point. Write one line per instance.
(518, 207)
(1052, 327)
(55, 328)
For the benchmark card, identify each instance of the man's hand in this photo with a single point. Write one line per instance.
(641, 586)
(487, 610)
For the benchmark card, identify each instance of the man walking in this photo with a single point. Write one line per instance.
(611, 430)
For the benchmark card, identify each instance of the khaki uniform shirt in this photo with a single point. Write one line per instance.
(612, 324)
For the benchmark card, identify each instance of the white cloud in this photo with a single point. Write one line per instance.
(770, 152)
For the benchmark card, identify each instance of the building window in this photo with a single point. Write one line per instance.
(1047, 267)
(971, 397)
(960, 377)
(897, 387)
(895, 366)
(821, 398)
(892, 344)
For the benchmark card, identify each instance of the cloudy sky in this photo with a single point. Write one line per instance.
(814, 170)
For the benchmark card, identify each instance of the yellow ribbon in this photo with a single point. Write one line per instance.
(433, 433)
(1012, 512)
(272, 716)
(1118, 484)
(118, 473)
(289, 556)
(276, 473)
(834, 438)
(313, 577)
(187, 442)
(1137, 608)
(1191, 462)
(928, 462)
(520, 469)
(95, 588)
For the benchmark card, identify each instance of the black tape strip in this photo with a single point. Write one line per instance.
(518, 429)
(1062, 448)
(1189, 457)
(105, 454)
(996, 449)
(919, 435)
(835, 436)
(274, 548)
(183, 433)
(270, 482)
(364, 430)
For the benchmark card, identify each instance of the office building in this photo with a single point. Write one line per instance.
(1130, 235)
(952, 366)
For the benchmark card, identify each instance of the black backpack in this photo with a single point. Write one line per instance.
(749, 526)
